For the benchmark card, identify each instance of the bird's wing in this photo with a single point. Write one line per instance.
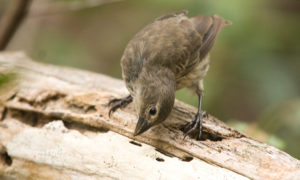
(132, 65)
(208, 27)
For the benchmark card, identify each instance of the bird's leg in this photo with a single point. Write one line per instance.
(197, 122)
(119, 103)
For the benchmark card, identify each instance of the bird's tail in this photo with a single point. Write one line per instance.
(208, 27)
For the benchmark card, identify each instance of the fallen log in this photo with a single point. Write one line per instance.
(54, 123)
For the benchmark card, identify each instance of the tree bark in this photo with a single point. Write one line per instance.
(55, 119)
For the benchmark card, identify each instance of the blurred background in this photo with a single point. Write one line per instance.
(254, 79)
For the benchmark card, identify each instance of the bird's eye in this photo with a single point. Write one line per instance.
(152, 111)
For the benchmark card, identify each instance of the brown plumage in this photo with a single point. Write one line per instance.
(168, 54)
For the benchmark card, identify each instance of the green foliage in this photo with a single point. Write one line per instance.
(5, 79)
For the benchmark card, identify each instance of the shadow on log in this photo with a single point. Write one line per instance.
(55, 121)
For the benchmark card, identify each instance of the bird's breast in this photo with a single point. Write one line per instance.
(193, 76)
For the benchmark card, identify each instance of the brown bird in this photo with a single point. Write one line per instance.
(168, 54)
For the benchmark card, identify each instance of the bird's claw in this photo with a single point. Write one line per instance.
(195, 124)
(118, 103)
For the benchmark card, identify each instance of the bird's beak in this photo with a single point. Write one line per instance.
(141, 126)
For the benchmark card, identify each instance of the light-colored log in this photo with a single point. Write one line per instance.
(43, 93)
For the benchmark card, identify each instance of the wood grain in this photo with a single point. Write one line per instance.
(45, 93)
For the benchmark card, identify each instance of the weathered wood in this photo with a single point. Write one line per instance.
(45, 93)
(57, 152)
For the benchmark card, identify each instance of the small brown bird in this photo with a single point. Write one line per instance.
(168, 54)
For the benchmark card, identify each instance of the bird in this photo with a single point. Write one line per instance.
(170, 53)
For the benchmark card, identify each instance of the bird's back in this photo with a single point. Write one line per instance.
(172, 41)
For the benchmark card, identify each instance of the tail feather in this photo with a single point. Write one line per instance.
(208, 27)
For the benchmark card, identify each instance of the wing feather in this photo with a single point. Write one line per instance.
(208, 27)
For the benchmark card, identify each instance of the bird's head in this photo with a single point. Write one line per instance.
(154, 102)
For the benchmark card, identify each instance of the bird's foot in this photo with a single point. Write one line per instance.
(119, 103)
(195, 124)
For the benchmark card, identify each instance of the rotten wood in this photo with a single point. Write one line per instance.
(45, 93)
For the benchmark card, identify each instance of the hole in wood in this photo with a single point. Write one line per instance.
(82, 108)
(91, 109)
(51, 96)
(187, 159)
(12, 97)
(83, 127)
(6, 159)
(164, 152)
(209, 136)
(160, 159)
(135, 143)
(29, 118)
(205, 135)
(39, 120)
(4, 113)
